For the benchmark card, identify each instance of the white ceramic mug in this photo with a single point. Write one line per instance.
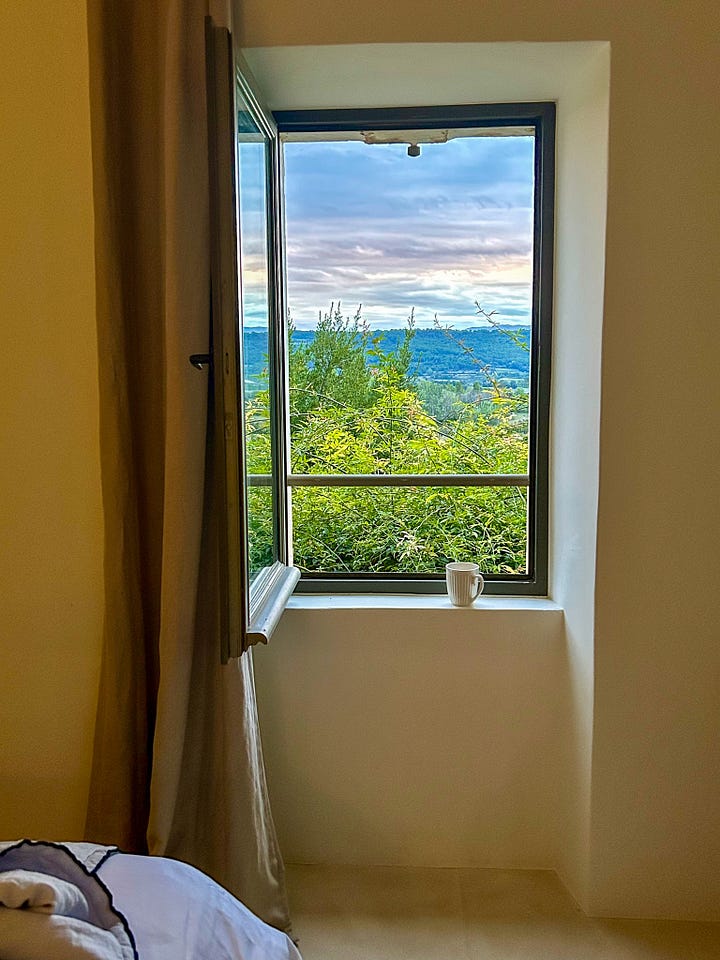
(464, 583)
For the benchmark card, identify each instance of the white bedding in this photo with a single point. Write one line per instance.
(53, 908)
(177, 913)
(67, 902)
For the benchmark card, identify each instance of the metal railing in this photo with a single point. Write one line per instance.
(395, 480)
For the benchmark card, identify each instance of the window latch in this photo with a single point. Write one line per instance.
(200, 360)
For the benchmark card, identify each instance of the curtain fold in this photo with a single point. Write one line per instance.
(177, 766)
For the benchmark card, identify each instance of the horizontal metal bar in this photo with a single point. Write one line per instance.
(395, 480)
(398, 118)
(393, 583)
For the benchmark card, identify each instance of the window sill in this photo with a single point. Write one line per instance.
(337, 601)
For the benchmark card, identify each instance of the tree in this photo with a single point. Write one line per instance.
(332, 369)
(355, 407)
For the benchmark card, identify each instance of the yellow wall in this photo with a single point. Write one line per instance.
(654, 843)
(655, 846)
(51, 521)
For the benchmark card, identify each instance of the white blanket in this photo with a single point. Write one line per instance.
(174, 911)
(178, 913)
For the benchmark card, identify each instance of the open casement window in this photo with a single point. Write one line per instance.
(341, 453)
(247, 295)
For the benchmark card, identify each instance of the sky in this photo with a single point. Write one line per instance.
(366, 224)
(252, 191)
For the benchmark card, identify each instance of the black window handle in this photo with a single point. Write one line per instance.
(200, 360)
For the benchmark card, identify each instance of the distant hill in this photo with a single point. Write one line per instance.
(436, 356)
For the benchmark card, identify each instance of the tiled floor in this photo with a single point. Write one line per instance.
(399, 913)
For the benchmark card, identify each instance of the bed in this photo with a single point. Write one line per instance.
(86, 902)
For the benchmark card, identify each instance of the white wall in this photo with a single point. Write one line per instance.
(501, 777)
(414, 733)
(655, 846)
(575, 420)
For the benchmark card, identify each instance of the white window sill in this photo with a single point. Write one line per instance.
(356, 601)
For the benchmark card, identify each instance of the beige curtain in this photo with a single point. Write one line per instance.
(178, 767)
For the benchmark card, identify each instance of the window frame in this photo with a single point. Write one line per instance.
(540, 116)
(249, 608)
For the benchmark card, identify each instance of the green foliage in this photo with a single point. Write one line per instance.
(356, 407)
(331, 369)
(408, 529)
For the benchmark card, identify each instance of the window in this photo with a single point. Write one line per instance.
(418, 422)
(371, 448)
(256, 576)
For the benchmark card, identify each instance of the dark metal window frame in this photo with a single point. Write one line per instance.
(269, 592)
(540, 117)
(249, 609)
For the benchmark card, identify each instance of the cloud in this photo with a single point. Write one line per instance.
(369, 225)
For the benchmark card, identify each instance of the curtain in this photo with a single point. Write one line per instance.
(177, 767)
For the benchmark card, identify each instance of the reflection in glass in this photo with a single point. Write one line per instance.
(260, 527)
(409, 529)
(255, 327)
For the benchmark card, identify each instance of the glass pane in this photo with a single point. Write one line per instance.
(253, 150)
(410, 293)
(260, 527)
(409, 529)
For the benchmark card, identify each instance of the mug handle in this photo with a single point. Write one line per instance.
(479, 584)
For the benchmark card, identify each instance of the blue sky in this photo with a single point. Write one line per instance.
(369, 225)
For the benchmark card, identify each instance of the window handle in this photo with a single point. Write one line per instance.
(200, 360)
